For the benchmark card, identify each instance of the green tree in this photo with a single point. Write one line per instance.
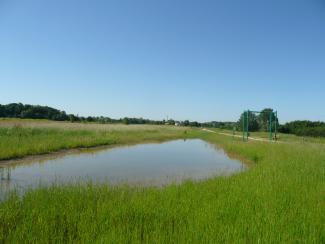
(126, 121)
(252, 122)
(186, 123)
(264, 118)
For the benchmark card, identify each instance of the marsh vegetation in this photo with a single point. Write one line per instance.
(279, 199)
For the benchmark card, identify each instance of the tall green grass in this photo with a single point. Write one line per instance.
(280, 199)
(18, 141)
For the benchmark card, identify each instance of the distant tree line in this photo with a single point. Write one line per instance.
(220, 125)
(304, 128)
(18, 110)
(257, 122)
(26, 111)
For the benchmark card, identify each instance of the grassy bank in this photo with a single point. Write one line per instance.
(280, 199)
(280, 136)
(20, 138)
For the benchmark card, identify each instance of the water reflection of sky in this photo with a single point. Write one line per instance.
(145, 164)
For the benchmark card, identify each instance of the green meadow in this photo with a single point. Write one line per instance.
(279, 199)
(19, 138)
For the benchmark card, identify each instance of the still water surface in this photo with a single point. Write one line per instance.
(144, 164)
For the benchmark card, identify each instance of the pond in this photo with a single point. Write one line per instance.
(145, 164)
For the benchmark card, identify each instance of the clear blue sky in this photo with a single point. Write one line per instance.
(198, 60)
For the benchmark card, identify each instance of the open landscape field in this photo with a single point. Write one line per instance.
(19, 138)
(280, 198)
(162, 121)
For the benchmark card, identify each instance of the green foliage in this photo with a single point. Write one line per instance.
(259, 121)
(221, 125)
(304, 128)
(18, 110)
(186, 123)
(314, 131)
(126, 121)
(264, 118)
(253, 124)
(278, 200)
(194, 124)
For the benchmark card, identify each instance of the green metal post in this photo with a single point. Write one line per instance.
(270, 129)
(247, 125)
(244, 125)
(275, 127)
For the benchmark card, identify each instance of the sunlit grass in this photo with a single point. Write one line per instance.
(280, 199)
(20, 138)
(280, 136)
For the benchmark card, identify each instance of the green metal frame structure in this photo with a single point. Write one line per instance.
(271, 115)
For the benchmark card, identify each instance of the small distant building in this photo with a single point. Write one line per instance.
(177, 124)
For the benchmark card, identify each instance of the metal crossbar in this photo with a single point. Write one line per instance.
(271, 115)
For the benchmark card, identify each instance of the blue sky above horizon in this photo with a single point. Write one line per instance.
(197, 60)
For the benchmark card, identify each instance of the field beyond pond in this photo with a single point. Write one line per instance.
(281, 198)
(25, 137)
